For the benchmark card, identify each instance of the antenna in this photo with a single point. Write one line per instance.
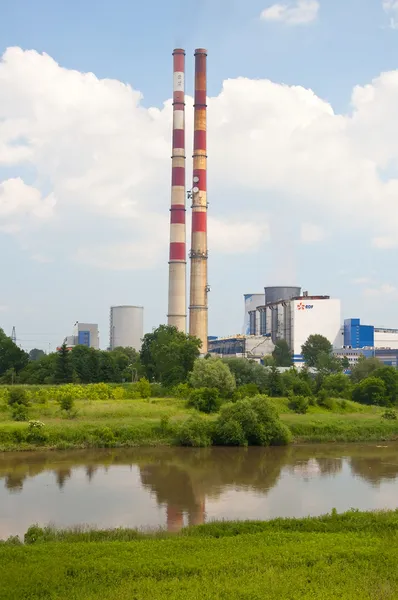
(13, 335)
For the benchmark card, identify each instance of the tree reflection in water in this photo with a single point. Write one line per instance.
(182, 479)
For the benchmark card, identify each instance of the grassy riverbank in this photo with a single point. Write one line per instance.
(124, 423)
(351, 556)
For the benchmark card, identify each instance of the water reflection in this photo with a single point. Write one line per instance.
(182, 481)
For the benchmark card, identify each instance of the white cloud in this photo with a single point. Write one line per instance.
(101, 164)
(361, 281)
(386, 289)
(385, 242)
(311, 233)
(300, 12)
(391, 9)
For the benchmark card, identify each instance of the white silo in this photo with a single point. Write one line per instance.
(126, 327)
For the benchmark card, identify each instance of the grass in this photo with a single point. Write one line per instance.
(350, 556)
(124, 423)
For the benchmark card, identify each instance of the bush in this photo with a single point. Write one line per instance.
(195, 432)
(205, 400)
(19, 412)
(181, 391)
(66, 403)
(118, 393)
(144, 388)
(251, 422)
(371, 390)
(17, 395)
(105, 437)
(248, 390)
(325, 401)
(299, 404)
(36, 433)
(390, 415)
(213, 373)
(157, 390)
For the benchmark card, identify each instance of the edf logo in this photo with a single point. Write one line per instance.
(302, 306)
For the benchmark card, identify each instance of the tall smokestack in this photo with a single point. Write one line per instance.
(177, 258)
(198, 313)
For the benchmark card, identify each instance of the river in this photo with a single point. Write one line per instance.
(171, 487)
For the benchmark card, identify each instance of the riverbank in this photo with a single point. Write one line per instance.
(349, 556)
(155, 422)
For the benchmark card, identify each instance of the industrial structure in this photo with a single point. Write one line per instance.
(126, 327)
(251, 303)
(177, 256)
(289, 315)
(84, 334)
(253, 347)
(198, 303)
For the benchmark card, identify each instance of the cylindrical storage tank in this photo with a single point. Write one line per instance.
(126, 327)
(277, 293)
(251, 303)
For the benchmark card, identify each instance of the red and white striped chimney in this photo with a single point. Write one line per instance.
(177, 258)
(198, 309)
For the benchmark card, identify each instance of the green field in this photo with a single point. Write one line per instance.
(134, 422)
(351, 556)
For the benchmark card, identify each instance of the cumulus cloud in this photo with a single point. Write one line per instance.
(391, 9)
(300, 12)
(95, 163)
(311, 233)
(385, 289)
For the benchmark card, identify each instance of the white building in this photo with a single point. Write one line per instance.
(126, 327)
(86, 334)
(386, 338)
(314, 315)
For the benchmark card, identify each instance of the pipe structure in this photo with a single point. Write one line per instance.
(177, 316)
(198, 309)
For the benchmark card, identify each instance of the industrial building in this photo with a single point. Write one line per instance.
(289, 315)
(251, 303)
(84, 334)
(126, 327)
(357, 335)
(243, 346)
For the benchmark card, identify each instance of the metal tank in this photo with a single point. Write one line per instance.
(277, 293)
(126, 327)
(278, 318)
(251, 323)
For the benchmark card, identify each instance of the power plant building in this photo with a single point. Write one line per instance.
(126, 327)
(289, 315)
(251, 303)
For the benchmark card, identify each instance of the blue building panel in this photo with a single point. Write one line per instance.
(357, 335)
(83, 338)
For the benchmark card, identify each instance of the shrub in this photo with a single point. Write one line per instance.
(326, 402)
(213, 373)
(337, 385)
(118, 393)
(371, 390)
(67, 402)
(195, 432)
(157, 390)
(181, 391)
(36, 433)
(299, 404)
(205, 400)
(105, 437)
(19, 412)
(248, 390)
(389, 414)
(144, 388)
(17, 395)
(250, 422)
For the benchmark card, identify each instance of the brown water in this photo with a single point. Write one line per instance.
(169, 487)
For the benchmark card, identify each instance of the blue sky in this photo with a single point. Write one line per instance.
(61, 248)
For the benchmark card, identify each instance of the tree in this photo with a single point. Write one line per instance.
(337, 385)
(36, 354)
(364, 368)
(390, 377)
(86, 364)
(39, 371)
(168, 355)
(371, 391)
(328, 363)
(315, 346)
(11, 357)
(248, 371)
(63, 366)
(281, 354)
(213, 373)
(275, 383)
